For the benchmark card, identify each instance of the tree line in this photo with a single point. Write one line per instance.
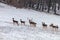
(41, 5)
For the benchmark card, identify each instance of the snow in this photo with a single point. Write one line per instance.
(8, 31)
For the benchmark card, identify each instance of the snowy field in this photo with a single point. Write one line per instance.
(8, 31)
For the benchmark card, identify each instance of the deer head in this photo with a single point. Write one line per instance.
(13, 18)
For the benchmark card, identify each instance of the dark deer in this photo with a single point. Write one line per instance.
(14, 21)
(44, 25)
(53, 26)
(31, 22)
(22, 22)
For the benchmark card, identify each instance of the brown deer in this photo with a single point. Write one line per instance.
(33, 23)
(22, 22)
(44, 25)
(14, 21)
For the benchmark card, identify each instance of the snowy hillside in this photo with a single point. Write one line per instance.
(8, 31)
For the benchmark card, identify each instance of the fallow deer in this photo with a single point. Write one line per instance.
(22, 22)
(14, 21)
(33, 23)
(53, 26)
(44, 25)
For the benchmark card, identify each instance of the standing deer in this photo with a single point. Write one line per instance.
(22, 22)
(33, 23)
(14, 21)
(44, 25)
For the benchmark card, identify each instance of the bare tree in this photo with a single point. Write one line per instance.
(49, 5)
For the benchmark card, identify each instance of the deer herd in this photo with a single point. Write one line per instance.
(34, 23)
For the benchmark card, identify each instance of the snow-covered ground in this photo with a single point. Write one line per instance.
(8, 31)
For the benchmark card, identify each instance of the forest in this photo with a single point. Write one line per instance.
(41, 5)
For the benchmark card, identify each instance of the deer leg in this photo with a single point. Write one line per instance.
(30, 24)
(24, 23)
(13, 23)
(45, 27)
(21, 23)
(17, 24)
(56, 29)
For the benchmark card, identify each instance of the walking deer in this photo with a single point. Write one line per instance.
(53, 26)
(33, 23)
(22, 22)
(14, 21)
